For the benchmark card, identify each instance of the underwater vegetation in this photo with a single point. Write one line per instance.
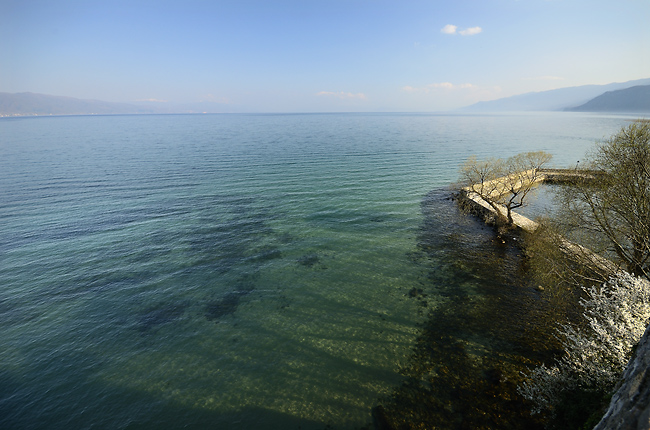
(165, 313)
(232, 234)
(309, 260)
(227, 305)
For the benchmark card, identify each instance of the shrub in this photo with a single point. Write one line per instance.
(595, 355)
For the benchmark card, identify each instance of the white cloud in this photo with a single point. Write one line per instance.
(151, 100)
(449, 29)
(342, 95)
(453, 29)
(445, 85)
(471, 31)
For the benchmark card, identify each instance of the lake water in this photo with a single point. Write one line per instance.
(237, 271)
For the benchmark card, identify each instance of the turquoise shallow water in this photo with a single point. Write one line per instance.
(226, 271)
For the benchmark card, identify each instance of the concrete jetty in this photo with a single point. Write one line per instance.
(525, 178)
(574, 250)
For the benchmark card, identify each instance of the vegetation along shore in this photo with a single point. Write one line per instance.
(590, 266)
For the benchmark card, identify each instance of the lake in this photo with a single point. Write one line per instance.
(251, 271)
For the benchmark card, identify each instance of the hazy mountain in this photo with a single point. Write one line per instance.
(631, 96)
(634, 99)
(553, 100)
(41, 104)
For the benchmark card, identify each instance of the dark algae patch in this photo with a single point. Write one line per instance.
(155, 317)
(228, 304)
(220, 308)
(313, 260)
(309, 260)
(487, 325)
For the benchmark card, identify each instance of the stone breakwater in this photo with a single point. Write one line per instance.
(585, 255)
(540, 176)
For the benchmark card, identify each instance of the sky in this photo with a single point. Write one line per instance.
(319, 55)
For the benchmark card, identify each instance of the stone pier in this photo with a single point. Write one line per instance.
(579, 252)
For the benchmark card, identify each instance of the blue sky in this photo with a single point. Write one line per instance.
(319, 55)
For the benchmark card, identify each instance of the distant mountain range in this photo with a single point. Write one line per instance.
(41, 104)
(631, 96)
(571, 98)
(23, 104)
(634, 99)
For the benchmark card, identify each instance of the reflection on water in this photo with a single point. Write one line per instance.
(489, 326)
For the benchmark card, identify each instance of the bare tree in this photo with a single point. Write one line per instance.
(616, 205)
(504, 183)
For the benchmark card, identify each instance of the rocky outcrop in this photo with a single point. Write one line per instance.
(629, 408)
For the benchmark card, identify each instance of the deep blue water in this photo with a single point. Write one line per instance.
(226, 271)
